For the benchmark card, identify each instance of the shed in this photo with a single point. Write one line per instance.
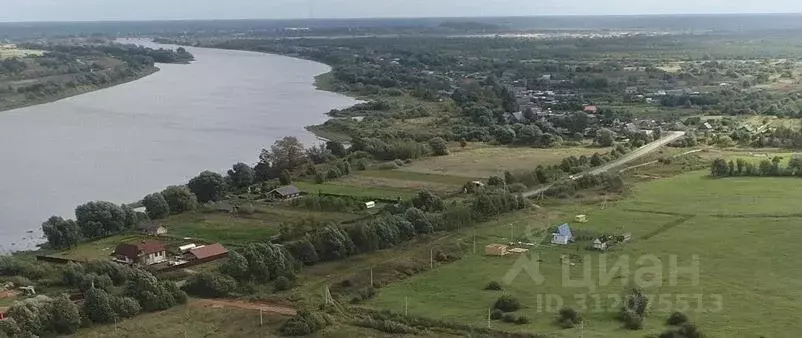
(563, 235)
(207, 253)
(581, 218)
(187, 247)
(599, 245)
(153, 229)
(627, 237)
(285, 192)
(496, 250)
(370, 205)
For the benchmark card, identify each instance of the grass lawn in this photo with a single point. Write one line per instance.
(341, 187)
(743, 230)
(101, 248)
(487, 161)
(405, 180)
(242, 229)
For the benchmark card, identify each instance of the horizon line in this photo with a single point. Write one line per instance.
(403, 18)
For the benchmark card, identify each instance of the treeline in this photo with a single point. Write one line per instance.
(741, 167)
(137, 55)
(110, 292)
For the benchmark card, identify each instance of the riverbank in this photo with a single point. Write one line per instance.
(5, 105)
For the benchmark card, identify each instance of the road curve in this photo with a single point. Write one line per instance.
(667, 138)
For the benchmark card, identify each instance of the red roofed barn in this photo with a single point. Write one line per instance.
(206, 253)
(145, 253)
(591, 109)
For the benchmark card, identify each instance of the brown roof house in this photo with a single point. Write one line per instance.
(145, 253)
(206, 253)
(284, 193)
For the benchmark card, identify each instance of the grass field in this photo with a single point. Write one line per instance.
(487, 161)
(101, 248)
(17, 52)
(748, 258)
(238, 229)
(342, 187)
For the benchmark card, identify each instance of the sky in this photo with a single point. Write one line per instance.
(100, 10)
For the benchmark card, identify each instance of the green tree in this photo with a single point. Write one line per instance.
(336, 148)
(235, 266)
(719, 168)
(285, 178)
(96, 219)
(287, 153)
(66, 317)
(207, 186)
(439, 146)
(125, 307)
(156, 206)
(180, 199)
(206, 284)
(97, 306)
(241, 175)
(61, 233)
(605, 137)
(428, 201)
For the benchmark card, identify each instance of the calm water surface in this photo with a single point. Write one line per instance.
(121, 143)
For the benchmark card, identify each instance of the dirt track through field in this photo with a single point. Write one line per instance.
(239, 304)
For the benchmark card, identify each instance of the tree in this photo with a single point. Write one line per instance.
(605, 137)
(235, 266)
(156, 206)
(287, 153)
(285, 178)
(507, 303)
(180, 199)
(421, 223)
(719, 168)
(96, 219)
(577, 122)
(97, 307)
(427, 201)
(318, 154)
(439, 146)
(61, 233)
(241, 175)
(125, 307)
(66, 317)
(336, 148)
(207, 186)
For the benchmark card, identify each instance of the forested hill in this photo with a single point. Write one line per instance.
(33, 73)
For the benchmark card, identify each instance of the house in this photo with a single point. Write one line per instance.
(187, 247)
(590, 109)
(599, 245)
(284, 193)
(152, 229)
(627, 237)
(496, 250)
(708, 126)
(206, 253)
(563, 235)
(370, 205)
(145, 253)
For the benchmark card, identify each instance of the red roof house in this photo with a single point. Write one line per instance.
(591, 109)
(207, 253)
(146, 253)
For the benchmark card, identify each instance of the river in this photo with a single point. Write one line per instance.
(120, 143)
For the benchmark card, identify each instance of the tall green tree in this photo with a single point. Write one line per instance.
(207, 186)
(287, 153)
(156, 206)
(241, 175)
(97, 306)
(180, 199)
(66, 317)
(100, 218)
(61, 233)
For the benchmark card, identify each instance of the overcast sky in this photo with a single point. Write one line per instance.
(90, 10)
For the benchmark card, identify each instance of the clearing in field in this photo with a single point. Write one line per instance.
(748, 278)
(488, 161)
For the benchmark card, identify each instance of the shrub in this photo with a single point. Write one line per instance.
(677, 318)
(495, 286)
(568, 318)
(517, 187)
(282, 283)
(509, 318)
(507, 303)
(522, 320)
(210, 285)
(305, 323)
(496, 314)
(632, 320)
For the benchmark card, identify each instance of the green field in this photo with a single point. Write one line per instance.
(483, 162)
(346, 189)
(749, 259)
(233, 229)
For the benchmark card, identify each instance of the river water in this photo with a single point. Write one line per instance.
(123, 142)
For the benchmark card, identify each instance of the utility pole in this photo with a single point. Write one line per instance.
(582, 329)
(431, 258)
(488, 318)
(406, 305)
(371, 277)
(512, 232)
(261, 319)
(474, 242)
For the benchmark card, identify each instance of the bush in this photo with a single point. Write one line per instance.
(507, 303)
(677, 318)
(632, 320)
(282, 283)
(568, 318)
(494, 286)
(509, 318)
(399, 163)
(496, 314)
(304, 323)
(522, 320)
(517, 187)
(206, 284)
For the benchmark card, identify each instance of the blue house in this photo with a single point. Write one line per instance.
(563, 235)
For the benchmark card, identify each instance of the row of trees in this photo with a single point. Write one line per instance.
(742, 167)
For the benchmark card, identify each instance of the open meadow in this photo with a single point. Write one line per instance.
(483, 162)
(748, 280)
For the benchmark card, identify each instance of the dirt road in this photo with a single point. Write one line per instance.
(239, 304)
(629, 157)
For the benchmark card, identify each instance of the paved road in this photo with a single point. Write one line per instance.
(629, 157)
